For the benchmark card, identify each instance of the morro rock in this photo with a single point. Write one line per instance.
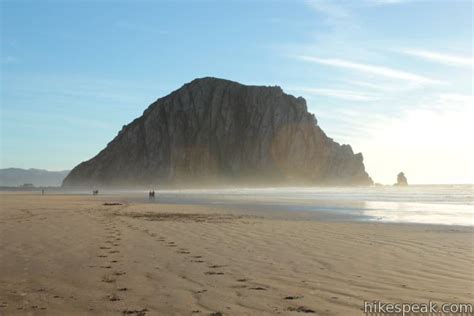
(215, 131)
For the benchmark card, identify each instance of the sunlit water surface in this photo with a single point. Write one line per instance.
(429, 204)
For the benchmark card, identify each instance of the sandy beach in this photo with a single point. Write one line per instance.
(75, 255)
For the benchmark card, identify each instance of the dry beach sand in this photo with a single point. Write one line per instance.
(73, 255)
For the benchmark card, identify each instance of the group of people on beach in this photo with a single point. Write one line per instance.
(151, 195)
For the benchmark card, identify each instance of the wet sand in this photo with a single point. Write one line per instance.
(73, 255)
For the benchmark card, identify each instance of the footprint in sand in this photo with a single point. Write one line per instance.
(119, 273)
(137, 312)
(258, 288)
(213, 273)
(108, 279)
(301, 309)
(113, 298)
(201, 291)
(293, 297)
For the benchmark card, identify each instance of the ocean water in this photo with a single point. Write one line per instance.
(428, 204)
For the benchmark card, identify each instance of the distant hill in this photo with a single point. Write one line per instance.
(37, 177)
(216, 131)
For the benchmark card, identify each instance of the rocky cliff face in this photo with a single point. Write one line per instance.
(214, 131)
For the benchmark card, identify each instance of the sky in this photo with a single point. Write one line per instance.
(392, 78)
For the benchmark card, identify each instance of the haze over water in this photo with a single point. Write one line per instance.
(428, 204)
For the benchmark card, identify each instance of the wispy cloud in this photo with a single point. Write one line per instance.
(442, 58)
(337, 93)
(336, 14)
(450, 102)
(467, 99)
(371, 69)
(379, 86)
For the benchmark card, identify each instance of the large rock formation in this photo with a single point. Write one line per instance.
(401, 180)
(215, 131)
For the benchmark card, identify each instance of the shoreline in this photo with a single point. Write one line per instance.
(317, 205)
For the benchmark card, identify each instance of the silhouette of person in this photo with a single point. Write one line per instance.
(151, 195)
